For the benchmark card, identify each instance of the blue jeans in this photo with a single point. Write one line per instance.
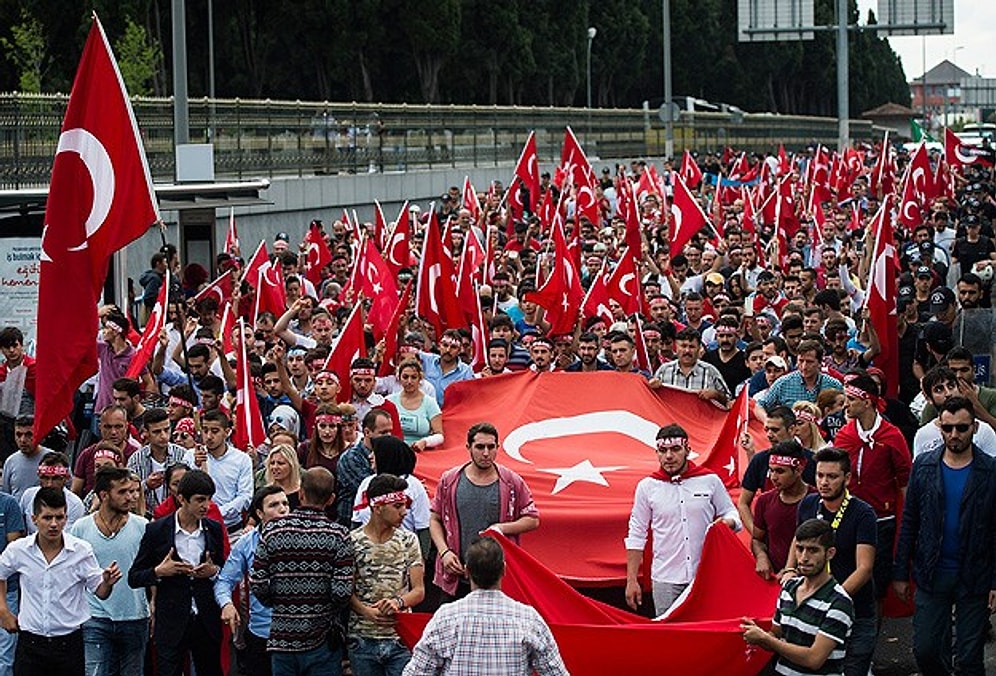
(318, 661)
(932, 628)
(377, 657)
(115, 647)
(860, 646)
(8, 642)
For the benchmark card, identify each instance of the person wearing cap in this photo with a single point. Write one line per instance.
(53, 472)
(974, 248)
(677, 503)
(943, 306)
(281, 243)
(881, 464)
(923, 283)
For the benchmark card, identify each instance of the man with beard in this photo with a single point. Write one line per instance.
(774, 513)
(970, 291)
(588, 356)
(445, 368)
(688, 372)
(940, 384)
(728, 359)
(497, 358)
(363, 380)
(961, 361)
(853, 522)
(541, 352)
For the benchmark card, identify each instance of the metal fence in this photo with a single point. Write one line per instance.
(268, 138)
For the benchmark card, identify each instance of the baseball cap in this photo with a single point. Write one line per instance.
(905, 296)
(938, 336)
(924, 271)
(282, 237)
(715, 278)
(776, 360)
(941, 299)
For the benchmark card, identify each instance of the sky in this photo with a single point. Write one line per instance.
(970, 47)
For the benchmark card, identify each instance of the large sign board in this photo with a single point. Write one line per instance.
(917, 17)
(774, 20)
(979, 92)
(20, 272)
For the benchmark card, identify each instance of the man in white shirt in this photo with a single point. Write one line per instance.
(678, 503)
(940, 384)
(230, 468)
(55, 569)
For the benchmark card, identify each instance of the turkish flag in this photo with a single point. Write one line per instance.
(220, 289)
(784, 166)
(581, 456)
(881, 296)
(596, 302)
(249, 431)
(527, 170)
(630, 212)
(687, 217)
(259, 258)
(271, 296)
(377, 283)
(467, 276)
(470, 201)
(232, 235)
(317, 256)
(380, 226)
(701, 634)
(387, 366)
(561, 293)
(351, 344)
(727, 457)
(690, 170)
(921, 175)
(100, 199)
(436, 299)
(397, 254)
(883, 175)
(910, 213)
(581, 176)
(228, 321)
(546, 212)
(479, 334)
(623, 285)
(818, 173)
(959, 154)
(150, 336)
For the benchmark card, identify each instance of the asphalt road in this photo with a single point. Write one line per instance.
(894, 653)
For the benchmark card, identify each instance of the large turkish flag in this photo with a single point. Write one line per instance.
(581, 441)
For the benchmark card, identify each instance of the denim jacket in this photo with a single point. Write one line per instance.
(923, 524)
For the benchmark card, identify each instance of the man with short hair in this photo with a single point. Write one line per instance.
(268, 503)
(946, 542)
(149, 463)
(804, 384)
(17, 386)
(961, 361)
(363, 381)
(471, 497)
(541, 353)
(688, 372)
(622, 352)
(940, 384)
(774, 514)
(497, 357)
(20, 470)
(127, 393)
(388, 573)
(53, 472)
(114, 637)
(114, 354)
(179, 556)
(55, 569)
(495, 636)
(445, 368)
(113, 427)
(814, 615)
(303, 570)
(853, 522)
(354, 464)
(588, 348)
(229, 467)
(677, 503)
(727, 357)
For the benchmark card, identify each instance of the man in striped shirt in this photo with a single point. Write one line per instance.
(814, 613)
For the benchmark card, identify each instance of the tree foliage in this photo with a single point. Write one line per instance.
(138, 59)
(522, 52)
(26, 50)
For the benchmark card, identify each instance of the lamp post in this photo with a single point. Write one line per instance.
(592, 32)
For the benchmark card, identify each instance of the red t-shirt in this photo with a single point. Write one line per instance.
(779, 522)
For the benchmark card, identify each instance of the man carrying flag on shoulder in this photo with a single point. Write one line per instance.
(678, 503)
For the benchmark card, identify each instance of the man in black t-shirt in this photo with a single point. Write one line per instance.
(974, 246)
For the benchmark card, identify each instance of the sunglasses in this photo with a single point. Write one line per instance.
(950, 427)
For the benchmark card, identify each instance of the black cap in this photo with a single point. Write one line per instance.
(282, 236)
(924, 271)
(971, 219)
(905, 296)
(938, 336)
(941, 299)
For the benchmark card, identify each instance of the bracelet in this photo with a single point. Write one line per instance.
(444, 553)
(400, 600)
(787, 570)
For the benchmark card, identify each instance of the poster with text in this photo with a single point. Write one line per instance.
(20, 269)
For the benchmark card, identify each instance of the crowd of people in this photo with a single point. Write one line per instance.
(301, 552)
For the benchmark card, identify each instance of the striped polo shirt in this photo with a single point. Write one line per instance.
(829, 611)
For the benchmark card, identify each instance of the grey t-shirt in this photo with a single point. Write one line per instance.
(20, 472)
(478, 509)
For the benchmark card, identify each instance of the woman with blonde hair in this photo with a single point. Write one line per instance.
(421, 418)
(282, 469)
(807, 425)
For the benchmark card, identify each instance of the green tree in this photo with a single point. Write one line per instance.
(433, 30)
(26, 50)
(138, 59)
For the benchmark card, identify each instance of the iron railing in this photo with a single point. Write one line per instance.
(269, 138)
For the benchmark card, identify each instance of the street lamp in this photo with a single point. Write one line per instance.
(592, 32)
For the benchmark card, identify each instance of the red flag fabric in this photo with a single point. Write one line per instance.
(249, 430)
(580, 175)
(317, 255)
(623, 285)
(479, 334)
(232, 247)
(380, 226)
(921, 175)
(784, 166)
(596, 302)
(397, 253)
(436, 298)
(350, 345)
(228, 321)
(628, 208)
(690, 170)
(259, 258)
(220, 289)
(547, 211)
(701, 635)
(466, 286)
(579, 488)
(470, 201)
(959, 154)
(727, 457)
(271, 296)
(378, 284)
(387, 366)
(100, 199)
(561, 293)
(146, 346)
(642, 358)
(687, 217)
(910, 213)
(882, 294)
(527, 170)
(883, 175)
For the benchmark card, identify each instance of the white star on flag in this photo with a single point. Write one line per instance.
(583, 471)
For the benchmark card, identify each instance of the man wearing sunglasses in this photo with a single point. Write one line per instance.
(946, 541)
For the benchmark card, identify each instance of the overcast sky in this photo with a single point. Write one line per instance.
(970, 47)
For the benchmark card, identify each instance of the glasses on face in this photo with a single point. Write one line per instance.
(950, 427)
(181, 436)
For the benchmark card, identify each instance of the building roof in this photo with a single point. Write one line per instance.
(943, 73)
(890, 110)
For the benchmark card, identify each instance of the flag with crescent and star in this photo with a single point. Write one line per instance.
(100, 199)
(581, 441)
(146, 346)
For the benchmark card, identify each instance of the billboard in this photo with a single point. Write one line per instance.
(774, 20)
(917, 17)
